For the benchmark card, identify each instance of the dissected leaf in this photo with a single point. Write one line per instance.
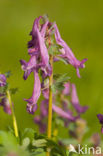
(59, 82)
(39, 143)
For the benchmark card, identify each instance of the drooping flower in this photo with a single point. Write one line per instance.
(63, 114)
(75, 101)
(42, 126)
(39, 60)
(67, 88)
(67, 52)
(6, 105)
(2, 80)
(44, 108)
(43, 50)
(40, 119)
(100, 117)
(32, 102)
(28, 67)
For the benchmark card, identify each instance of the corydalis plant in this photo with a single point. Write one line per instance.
(45, 48)
(40, 49)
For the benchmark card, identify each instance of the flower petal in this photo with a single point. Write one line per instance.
(63, 114)
(2, 80)
(100, 117)
(36, 93)
(43, 49)
(75, 101)
(67, 52)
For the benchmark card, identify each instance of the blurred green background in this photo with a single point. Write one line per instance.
(81, 25)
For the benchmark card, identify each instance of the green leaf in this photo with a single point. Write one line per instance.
(25, 142)
(8, 140)
(62, 60)
(39, 143)
(56, 149)
(63, 78)
(28, 133)
(53, 50)
(38, 152)
(69, 141)
(59, 83)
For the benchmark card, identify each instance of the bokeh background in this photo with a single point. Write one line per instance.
(81, 25)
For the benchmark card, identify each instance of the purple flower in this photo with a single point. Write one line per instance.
(46, 71)
(67, 52)
(33, 43)
(42, 126)
(45, 88)
(43, 50)
(100, 117)
(6, 105)
(63, 114)
(28, 67)
(43, 114)
(67, 87)
(44, 28)
(75, 101)
(37, 44)
(39, 60)
(45, 93)
(32, 102)
(2, 80)
(31, 108)
(44, 108)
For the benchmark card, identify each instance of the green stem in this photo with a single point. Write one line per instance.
(49, 130)
(13, 115)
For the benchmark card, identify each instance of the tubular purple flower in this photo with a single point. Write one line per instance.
(46, 71)
(33, 44)
(6, 105)
(42, 126)
(43, 49)
(35, 26)
(67, 87)
(32, 106)
(43, 29)
(65, 107)
(44, 108)
(100, 117)
(45, 93)
(63, 114)
(28, 67)
(2, 80)
(68, 54)
(75, 101)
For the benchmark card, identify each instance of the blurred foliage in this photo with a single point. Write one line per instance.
(28, 144)
(81, 26)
